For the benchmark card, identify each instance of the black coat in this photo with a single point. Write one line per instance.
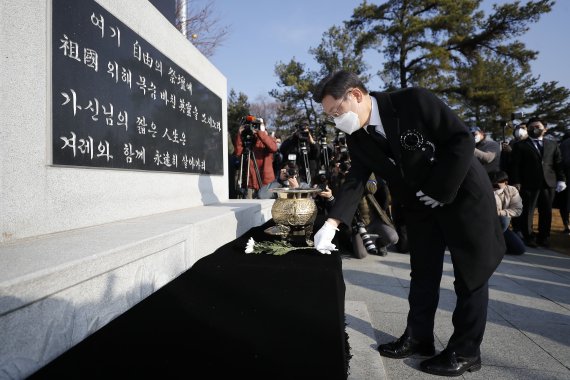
(530, 170)
(455, 177)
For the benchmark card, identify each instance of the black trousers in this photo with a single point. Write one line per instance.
(533, 199)
(427, 248)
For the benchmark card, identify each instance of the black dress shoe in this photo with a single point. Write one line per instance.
(448, 363)
(530, 243)
(406, 346)
(544, 242)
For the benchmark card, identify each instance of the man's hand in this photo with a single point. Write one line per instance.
(428, 201)
(326, 193)
(560, 186)
(293, 182)
(323, 238)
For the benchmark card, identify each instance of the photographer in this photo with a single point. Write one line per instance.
(303, 145)
(487, 151)
(372, 230)
(288, 177)
(256, 148)
(519, 134)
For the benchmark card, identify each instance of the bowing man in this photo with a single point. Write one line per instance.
(424, 151)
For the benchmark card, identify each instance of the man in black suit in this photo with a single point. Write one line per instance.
(537, 172)
(423, 150)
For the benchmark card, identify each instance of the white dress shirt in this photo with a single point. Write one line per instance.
(375, 118)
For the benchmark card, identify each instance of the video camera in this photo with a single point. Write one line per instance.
(251, 120)
(322, 135)
(341, 149)
(249, 123)
(344, 167)
(340, 138)
(303, 132)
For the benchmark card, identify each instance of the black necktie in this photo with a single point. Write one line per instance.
(380, 139)
(540, 147)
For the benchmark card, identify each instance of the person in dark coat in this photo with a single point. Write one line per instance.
(424, 151)
(537, 172)
(306, 150)
(487, 151)
(564, 205)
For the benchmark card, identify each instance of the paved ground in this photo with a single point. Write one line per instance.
(528, 329)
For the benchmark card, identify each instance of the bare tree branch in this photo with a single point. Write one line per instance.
(201, 25)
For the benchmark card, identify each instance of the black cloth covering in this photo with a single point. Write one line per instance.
(231, 314)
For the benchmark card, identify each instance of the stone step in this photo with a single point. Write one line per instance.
(365, 362)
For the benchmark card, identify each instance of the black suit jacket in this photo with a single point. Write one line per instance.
(443, 167)
(531, 170)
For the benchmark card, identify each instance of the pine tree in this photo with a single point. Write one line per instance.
(238, 108)
(336, 51)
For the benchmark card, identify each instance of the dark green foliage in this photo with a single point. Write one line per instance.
(238, 107)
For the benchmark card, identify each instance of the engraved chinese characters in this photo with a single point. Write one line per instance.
(118, 102)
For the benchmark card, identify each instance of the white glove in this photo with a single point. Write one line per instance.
(560, 186)
(428, 201)
(323, 239)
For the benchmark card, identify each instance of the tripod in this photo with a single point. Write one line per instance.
(305, 155)
(325, 153)
(246, 158)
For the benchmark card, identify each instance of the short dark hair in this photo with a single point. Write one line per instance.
(336, 85)
(498, 176)
(535, 119)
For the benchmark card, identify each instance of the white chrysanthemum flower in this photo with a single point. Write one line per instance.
(249, 246)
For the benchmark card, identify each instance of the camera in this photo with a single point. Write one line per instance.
(303, 132)
(322, 180)
(291, 169)
(341, 147)
(322, 136)
(340, 138)
(367, 239)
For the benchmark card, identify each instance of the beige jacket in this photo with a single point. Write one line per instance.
(509, 202)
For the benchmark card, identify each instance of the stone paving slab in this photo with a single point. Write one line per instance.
(528, 329)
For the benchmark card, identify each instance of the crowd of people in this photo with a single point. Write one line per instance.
(306, 158)
(536, 168)
(528, 172)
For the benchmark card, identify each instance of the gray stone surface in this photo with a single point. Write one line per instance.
(37, 198)
(365, 363)
(58, 289)
(528, 328)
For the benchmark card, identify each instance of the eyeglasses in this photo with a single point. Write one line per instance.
(334, 113)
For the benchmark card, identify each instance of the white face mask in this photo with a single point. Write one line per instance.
(347, 122)
(521, 133)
